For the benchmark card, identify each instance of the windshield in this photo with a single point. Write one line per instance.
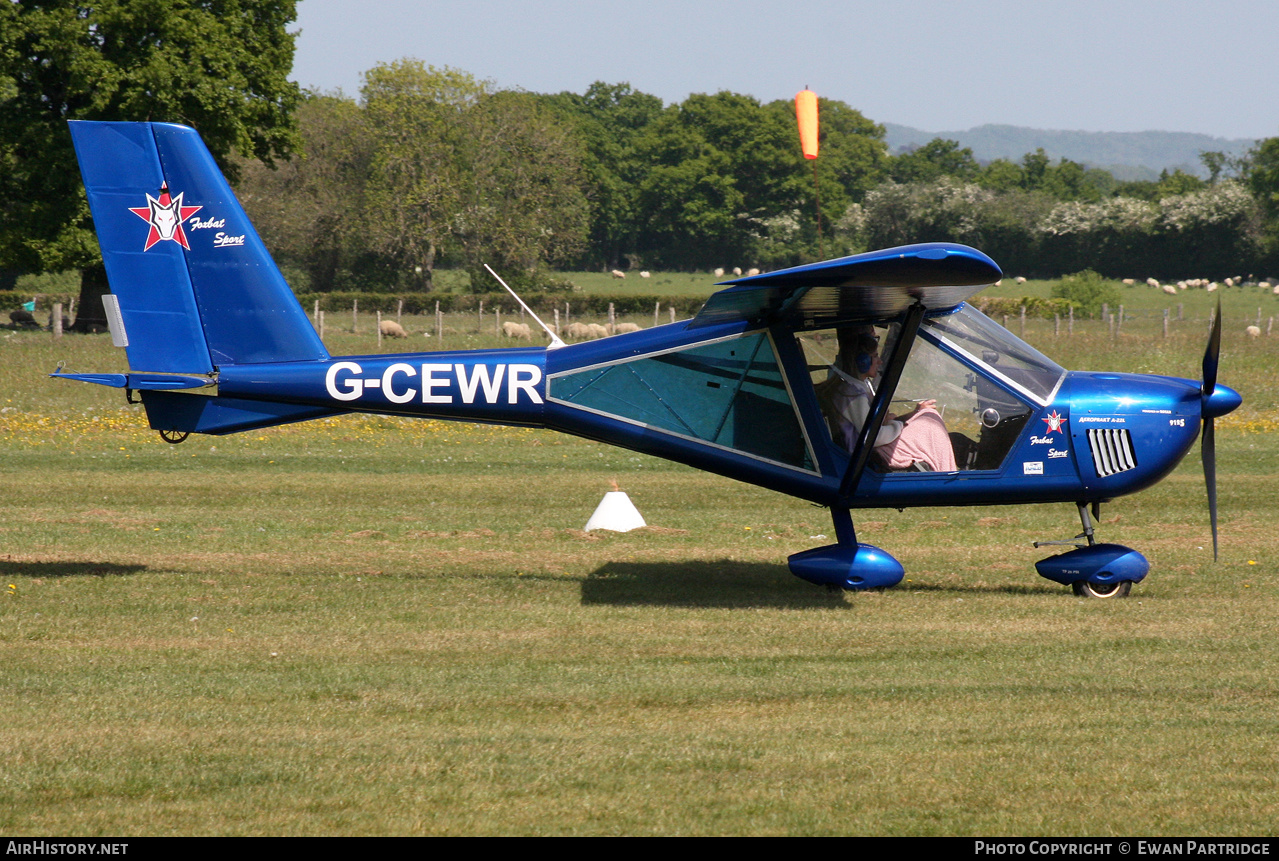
(989, 343)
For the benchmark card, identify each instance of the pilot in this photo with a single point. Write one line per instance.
(916, 440)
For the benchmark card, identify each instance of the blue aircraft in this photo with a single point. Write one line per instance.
(861, 382)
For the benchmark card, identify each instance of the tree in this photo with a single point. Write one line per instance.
(523, 205)
(458, 168)
(416, 176)
(219, 65)
(609, 119)
(309, 210)
(1262, 176)
(935, 159)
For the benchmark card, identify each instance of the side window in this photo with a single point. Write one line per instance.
(729, 393)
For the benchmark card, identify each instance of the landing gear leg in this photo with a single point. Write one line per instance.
(1093, 570)
(1087, 521)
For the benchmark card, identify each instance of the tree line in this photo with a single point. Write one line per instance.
(421, 170)
(431, 167)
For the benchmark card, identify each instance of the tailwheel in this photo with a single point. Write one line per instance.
(1084, 589)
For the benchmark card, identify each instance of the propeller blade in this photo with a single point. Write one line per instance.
(1209, 445)
(1212, 353)
(1208, 442)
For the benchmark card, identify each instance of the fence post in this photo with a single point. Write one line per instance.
(671, 308)
(1119, 322)
(315, 314)
(480, 320)
(55, 322)
(399, 312)
(497, 320)
(321, 325)
(557, 319)
(1056, 323)
(1071, 326)
(1023, 319)
(1165, 323)
(612, 320)
(355, 314)
(656, 308)
(379, 330)
(439, 324)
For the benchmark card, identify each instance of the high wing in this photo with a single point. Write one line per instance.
(875, 286)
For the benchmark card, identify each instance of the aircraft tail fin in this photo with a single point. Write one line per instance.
(192, 285)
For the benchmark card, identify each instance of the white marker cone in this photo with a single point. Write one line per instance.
(616, 513)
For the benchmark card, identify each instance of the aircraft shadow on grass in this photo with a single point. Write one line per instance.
(723, 584)
(728, 584)
(67, 569)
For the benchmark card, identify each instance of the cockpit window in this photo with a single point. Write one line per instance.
(1020, 364)
(944, 416)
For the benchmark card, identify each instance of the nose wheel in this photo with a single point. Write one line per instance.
(1084, 589)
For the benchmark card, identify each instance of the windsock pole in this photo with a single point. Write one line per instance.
(806, 115)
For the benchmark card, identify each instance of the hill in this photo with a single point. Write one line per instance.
(1128, 155)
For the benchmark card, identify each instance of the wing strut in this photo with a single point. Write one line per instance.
(879, 409)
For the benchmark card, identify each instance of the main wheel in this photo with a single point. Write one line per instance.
(1084, 589)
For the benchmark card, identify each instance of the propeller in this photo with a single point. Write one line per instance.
(1214, 401)
(1209, 441)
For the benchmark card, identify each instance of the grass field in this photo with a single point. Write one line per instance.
(375, 626)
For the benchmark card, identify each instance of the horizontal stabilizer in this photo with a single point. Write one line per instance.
(878, 285)
(143, 382)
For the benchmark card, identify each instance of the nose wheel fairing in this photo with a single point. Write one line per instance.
(1099, 564)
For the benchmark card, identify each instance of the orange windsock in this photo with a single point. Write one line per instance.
(806, 113)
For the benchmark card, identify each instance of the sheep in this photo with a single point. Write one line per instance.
(596, 330)
(511, 329)
(719, 272)
(625, 328)
(1253, 331)
(1212, 288)
(646, 274)
(1128, 282)
(1152, 282)
(618, 273)
(23, 319)
(392, 329)
(737, 270)
(1169, 289)
(1020, 279)
(752, 272)
(578, 331)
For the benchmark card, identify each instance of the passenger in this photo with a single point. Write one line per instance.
(917, 439)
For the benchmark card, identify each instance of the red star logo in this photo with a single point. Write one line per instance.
(1054, 421)
(165, 217)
